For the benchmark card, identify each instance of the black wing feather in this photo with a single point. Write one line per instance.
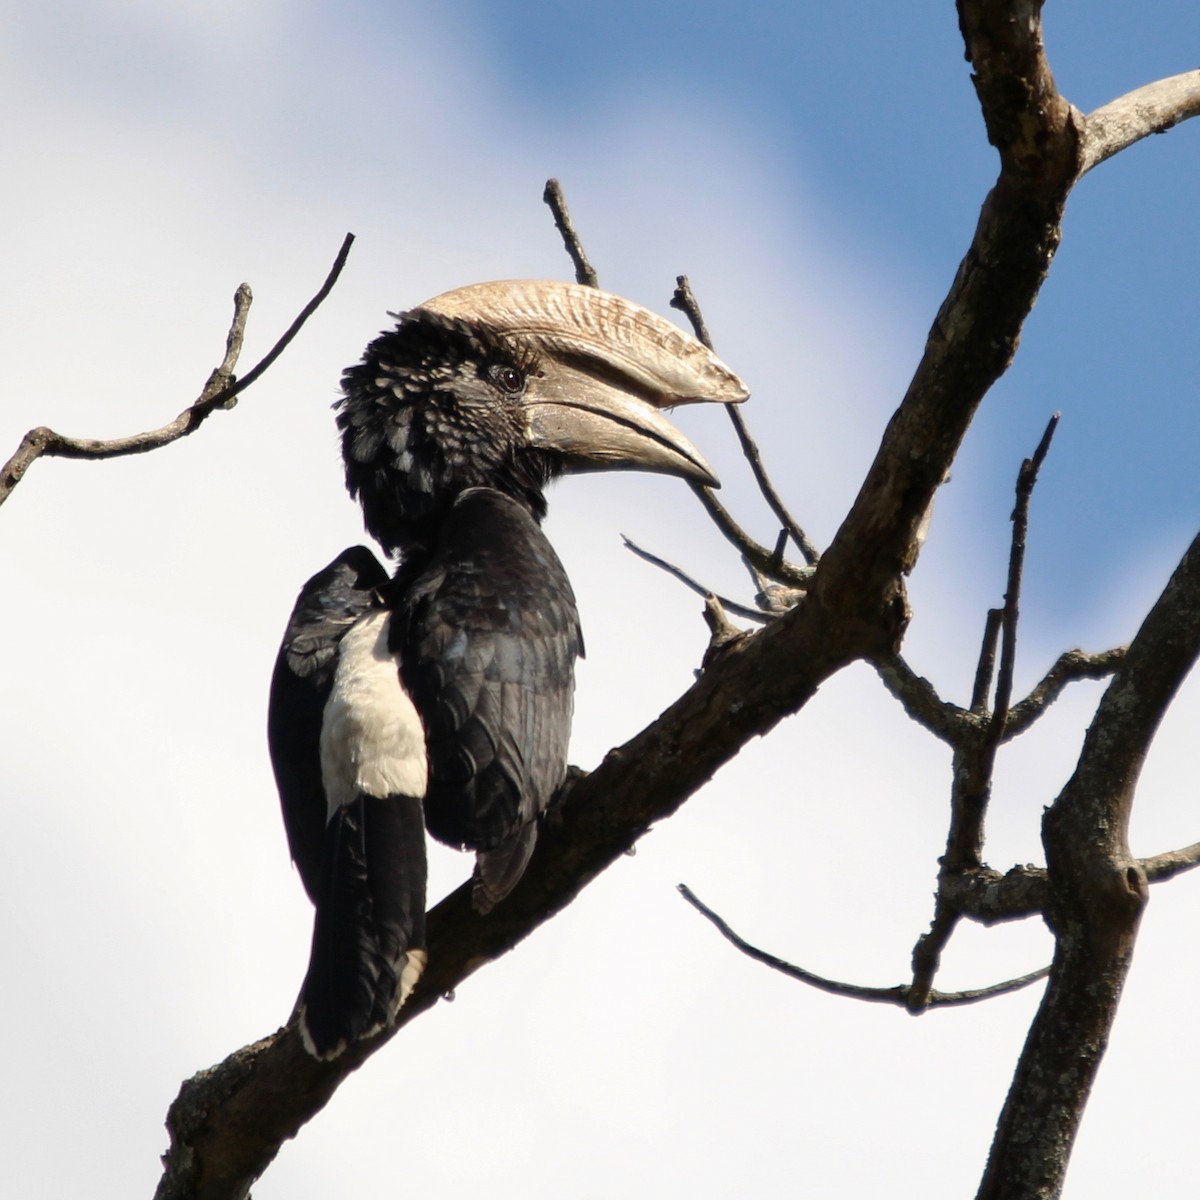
(487, 635)
(328, 604)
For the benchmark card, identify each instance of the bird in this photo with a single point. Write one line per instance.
(438, 696)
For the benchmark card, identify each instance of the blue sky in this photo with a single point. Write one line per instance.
(818, 172)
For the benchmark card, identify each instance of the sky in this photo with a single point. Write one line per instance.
(817, 172)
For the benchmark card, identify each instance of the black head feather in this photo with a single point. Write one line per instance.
(435, 408)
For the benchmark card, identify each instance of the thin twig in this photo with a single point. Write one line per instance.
(1026, 481)
(585, 273)
(223, 375)
(781, 541)
(986, 669)
(684, 299)
(741, 610)
(294, 328)
(761, 556)
(219, 392)
(772, 565)
(897, 995)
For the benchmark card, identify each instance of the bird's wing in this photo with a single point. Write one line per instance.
(487, 636)
(349, 756)
(328, 605)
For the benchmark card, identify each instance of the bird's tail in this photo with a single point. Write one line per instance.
(368, 946)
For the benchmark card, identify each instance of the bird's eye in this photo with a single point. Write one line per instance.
(507, 378)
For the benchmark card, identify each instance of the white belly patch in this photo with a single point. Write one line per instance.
(372, 738)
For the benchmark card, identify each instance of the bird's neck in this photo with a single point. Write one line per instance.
(413, 533)
(409, 525)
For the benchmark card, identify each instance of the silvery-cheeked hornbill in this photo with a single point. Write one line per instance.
(441, 697)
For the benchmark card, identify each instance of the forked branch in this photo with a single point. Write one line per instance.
(220, 391)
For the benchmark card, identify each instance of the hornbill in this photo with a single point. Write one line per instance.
(440, 697)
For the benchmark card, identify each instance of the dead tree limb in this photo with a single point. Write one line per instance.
(898, 994)
(1097, 894)
(1154, 108)
(220, 391)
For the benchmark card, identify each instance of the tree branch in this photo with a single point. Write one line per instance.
(1166, 866)
(219, 392)
(741, 610)
(897, 995)
(768, 561)
(553, 196)
(684, 299)
(1098, 891)
(985, 669)
(1071, 666)
(1026, 481)
(920, 699)
(1154, 108)
(986, 896)
(976, 739)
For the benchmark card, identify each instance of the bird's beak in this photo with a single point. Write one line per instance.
(605, 368)
(595, 425)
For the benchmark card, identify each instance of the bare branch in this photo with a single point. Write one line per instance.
(684, 299)
(723, 633)
(920, 699)
(986, 668)
(219, 392)
(976, 330)
(976, 744)
(1098, 891)
(946, 720)
(44, 441)
(741, 610)
(897, 995)
(1026, 481)
(763, 559)
(772, 565)
(222, 377)
(989, 898)
(1166, 866)
(1154, 108)
(294, 328)
(927, 955)
(1071, 666)
(585, 273)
